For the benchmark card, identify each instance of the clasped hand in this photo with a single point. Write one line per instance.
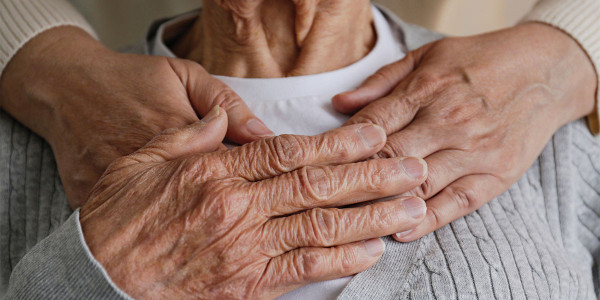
(479, 110)
(180, 218)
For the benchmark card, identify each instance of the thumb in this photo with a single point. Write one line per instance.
(204, 136)
(377, 85)
(206, 92)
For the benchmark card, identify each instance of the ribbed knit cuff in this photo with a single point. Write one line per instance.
(21, 20)
(62, 267)
(580, 19)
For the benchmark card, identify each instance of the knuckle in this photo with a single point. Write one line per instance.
(226, 98)
(385, 75)
(371, 115)
(323, 226)
(392, 150)
(375, 178)
(435, 217)
(319, 182)
(458, 113)
(308, 265)
(425, 83)
(348, 261)
(338, 145)
(465, 199)
(379, 177)
(425, 189)
(222, 204)
(286, 152)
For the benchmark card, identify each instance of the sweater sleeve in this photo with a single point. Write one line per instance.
(21, 20)
(62, 267)
(581, 20)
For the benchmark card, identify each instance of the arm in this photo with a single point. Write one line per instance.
(22, 20)
(479, 109)
(93, 105)
(179, 220)
(580, 19)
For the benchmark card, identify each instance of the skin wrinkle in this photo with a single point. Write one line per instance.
(187, 223)
(279, 38)
(318, 183)
(492, 130)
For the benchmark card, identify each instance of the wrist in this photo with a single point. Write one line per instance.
(33, 82)
(566, 69)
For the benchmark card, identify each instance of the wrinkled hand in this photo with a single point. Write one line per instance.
(94, 105)
(176, 220)
(479, 109)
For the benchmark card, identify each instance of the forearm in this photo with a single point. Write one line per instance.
(32, 84)
(21, 20)
(28, 51)
(558, 62)
(580, 19)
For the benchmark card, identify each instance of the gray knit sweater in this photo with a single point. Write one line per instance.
(538, 240)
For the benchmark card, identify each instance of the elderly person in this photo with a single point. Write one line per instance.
(431, 266)
(481, 254)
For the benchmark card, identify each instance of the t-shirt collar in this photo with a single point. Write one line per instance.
(386, 50)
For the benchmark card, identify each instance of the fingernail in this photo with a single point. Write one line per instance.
(258, 128)
(414, 167)
(414, 207)
(372, 135)
(212, 114)
(404, 233)
(374, 247)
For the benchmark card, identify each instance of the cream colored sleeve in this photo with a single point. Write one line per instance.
(21, 20)
(580, 19)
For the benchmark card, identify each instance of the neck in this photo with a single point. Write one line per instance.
(278, 38)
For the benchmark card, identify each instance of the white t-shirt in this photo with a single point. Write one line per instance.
(302, 105)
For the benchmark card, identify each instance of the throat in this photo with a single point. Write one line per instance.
(278, 38)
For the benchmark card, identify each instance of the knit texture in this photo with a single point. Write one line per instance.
(581, 20)
(538, 240)
(62, 274)
(32, 200)
(21, 20)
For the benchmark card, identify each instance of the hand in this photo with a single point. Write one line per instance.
(93, 105)
(176, 220)
(480, 109)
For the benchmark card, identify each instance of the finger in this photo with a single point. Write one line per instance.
(306, 265)
(457, 200)
(206, 92)
(341, 185)
(203, 136)
(396, 110)
(419, 139)
(392, 112)
(376, 86)
(444, 168)
(332, 226)
(274, 156)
